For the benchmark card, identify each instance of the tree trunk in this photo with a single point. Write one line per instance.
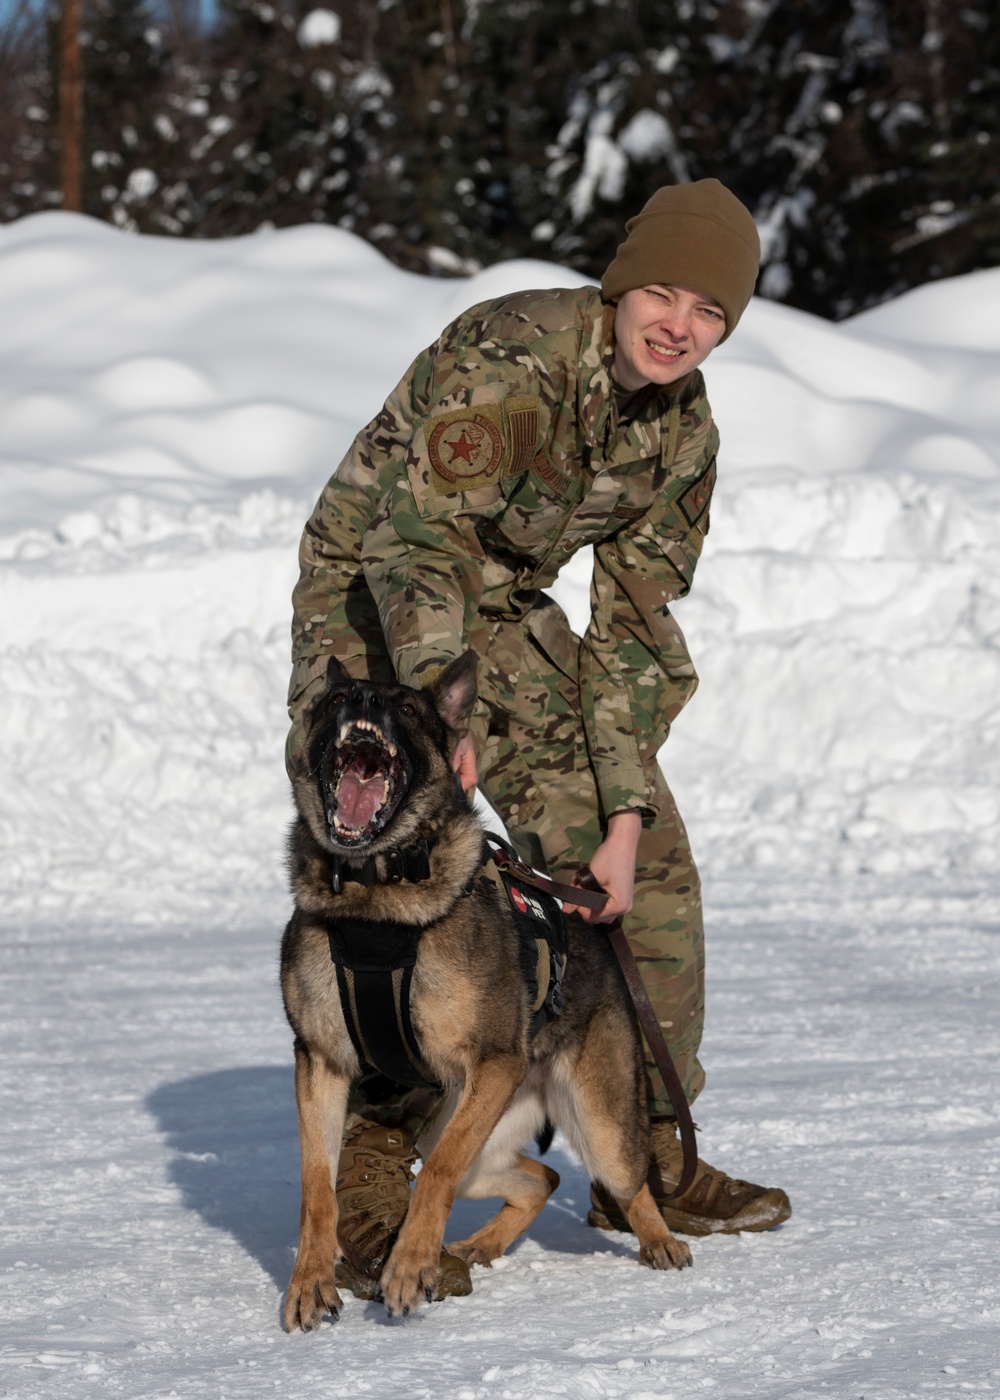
(70, 107)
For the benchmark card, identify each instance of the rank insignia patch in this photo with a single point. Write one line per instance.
(466, 449)
(695, 499)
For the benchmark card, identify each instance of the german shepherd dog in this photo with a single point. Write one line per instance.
(378, 781)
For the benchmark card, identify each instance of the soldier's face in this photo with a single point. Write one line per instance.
(663, 332)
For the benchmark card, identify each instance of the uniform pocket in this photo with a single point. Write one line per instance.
(550, 629)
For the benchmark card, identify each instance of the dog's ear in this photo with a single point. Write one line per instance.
(454, 692)
(336, 673)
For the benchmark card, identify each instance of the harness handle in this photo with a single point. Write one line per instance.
(592, 897)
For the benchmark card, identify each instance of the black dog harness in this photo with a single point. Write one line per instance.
(374, 962)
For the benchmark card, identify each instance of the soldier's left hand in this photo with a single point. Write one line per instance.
(463, 762)
(613, 867)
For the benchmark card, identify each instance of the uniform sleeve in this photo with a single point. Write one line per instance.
(332, 614)
(636, 673)
(391, 559)
(424, 566)
(475, 418)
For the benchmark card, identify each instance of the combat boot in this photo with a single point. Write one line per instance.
(374, 1175)
(713, 1204)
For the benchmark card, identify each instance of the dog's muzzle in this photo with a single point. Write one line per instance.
(366, 776)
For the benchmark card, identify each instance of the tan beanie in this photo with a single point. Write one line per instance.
(697, 236)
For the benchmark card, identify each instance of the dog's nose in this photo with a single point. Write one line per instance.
(372, 702)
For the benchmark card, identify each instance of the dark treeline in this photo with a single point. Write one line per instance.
(863, 134)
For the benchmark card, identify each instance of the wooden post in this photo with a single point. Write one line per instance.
(70, 106)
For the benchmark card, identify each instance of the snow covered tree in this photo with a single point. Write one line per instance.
(842, 128)
(126, 144)
(29, 144)
(862, 134)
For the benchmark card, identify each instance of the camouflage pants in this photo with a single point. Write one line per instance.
(534, 772)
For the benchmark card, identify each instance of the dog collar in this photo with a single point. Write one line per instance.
(413, 864)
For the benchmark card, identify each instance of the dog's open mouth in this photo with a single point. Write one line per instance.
(366, 777)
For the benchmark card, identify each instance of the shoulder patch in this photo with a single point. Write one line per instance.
(521, 413)
(474, 447)
(554, 479)
(466, 448)
(694, 502)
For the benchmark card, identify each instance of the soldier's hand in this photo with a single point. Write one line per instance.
(613, 867)
(463, 762)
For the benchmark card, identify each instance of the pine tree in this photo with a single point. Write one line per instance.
(127, 146)
(453, 133)
(29, 141)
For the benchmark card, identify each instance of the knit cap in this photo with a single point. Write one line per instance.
(697, 236)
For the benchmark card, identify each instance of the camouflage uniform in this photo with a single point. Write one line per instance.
(500, 453)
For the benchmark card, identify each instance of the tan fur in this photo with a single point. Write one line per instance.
(524, 1187)
(321, 1098)
(470, 1012)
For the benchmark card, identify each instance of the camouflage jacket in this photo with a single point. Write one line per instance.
(498, 455)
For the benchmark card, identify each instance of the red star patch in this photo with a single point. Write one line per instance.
(462, 448)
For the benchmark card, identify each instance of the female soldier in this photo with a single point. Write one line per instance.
(534, 425)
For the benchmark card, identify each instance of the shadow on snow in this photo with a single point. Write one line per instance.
(234, 1140)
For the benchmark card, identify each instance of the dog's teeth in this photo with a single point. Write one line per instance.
(355, 726)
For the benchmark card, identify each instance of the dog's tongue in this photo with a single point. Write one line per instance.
(358, 798)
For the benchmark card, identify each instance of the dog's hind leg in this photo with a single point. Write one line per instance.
(657, 1246)
(321, 1098)
(600, 1104)
(411, 1272)
(525, 1187)
(608, 1160)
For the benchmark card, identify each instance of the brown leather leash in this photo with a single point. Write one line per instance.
(590, 895)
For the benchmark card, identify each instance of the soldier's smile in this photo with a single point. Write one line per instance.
(663, 332)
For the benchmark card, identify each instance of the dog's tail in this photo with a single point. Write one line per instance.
(544, 1136)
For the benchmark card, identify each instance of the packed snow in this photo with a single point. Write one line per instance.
(169, 411)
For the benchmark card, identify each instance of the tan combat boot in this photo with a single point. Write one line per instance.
(713, 1204)
(373, 1194)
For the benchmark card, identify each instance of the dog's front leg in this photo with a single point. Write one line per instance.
(321, 1098)
(411, 1271)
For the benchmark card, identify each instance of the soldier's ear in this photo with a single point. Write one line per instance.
(454, 692)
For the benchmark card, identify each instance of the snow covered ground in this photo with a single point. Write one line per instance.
(168, 413)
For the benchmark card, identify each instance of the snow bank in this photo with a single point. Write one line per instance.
(170, 410)
(846, 617)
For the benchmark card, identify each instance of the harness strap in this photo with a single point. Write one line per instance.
(379, 1002)
(413, 864)
(505, 859)
(543, 973)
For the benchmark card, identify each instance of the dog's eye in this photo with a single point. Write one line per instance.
(406, 708)
(338, 697)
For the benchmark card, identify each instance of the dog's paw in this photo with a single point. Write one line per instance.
(666, 1254)
(311, 1297)
(473, 1252)
(408, 1279)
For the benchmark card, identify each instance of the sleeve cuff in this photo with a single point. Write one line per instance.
(414, 667)
(623, 788)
